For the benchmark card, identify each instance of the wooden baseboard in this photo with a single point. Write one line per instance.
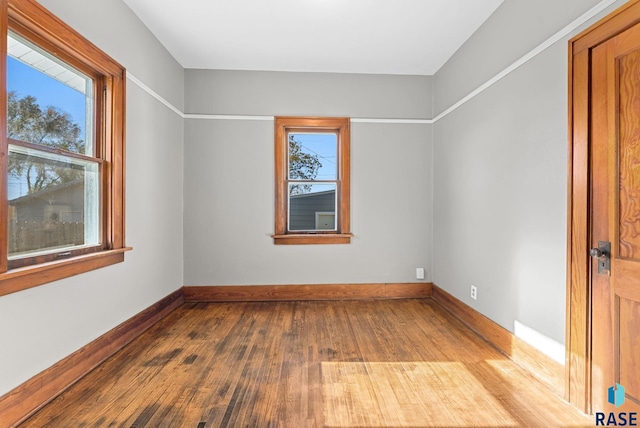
(249, 293)
(26, 399)
(526, 356)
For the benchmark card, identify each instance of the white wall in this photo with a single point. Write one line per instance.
(42, 325)
(307, 94)
(500, 170)
(229, 175)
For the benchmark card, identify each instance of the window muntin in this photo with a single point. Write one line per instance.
(312, 180)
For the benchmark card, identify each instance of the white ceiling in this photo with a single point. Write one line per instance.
(349, 36)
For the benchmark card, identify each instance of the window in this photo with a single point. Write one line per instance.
(62, 168)
(312, 180)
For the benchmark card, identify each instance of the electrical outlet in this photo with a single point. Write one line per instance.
(474, 292)
(419, 273)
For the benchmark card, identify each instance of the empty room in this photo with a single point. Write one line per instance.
(308, 213)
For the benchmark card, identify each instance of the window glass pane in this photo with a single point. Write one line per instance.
(313, 156)
(53, 202)
(49, 102)
(312, 206)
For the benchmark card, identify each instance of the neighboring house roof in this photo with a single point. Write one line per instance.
(42, 194)
(306, 195)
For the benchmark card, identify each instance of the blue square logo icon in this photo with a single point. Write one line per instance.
(616, 395)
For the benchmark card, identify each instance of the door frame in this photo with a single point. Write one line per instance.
(578, 380)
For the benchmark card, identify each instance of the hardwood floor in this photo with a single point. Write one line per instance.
(389, 363)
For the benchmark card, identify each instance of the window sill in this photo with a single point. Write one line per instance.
(312, 239)
(32, 276)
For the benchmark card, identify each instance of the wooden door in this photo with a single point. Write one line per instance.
(615, 218)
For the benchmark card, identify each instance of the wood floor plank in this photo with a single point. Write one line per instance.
(396, 363)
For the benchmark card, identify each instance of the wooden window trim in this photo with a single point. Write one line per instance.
(340, 125)
(29, 19)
